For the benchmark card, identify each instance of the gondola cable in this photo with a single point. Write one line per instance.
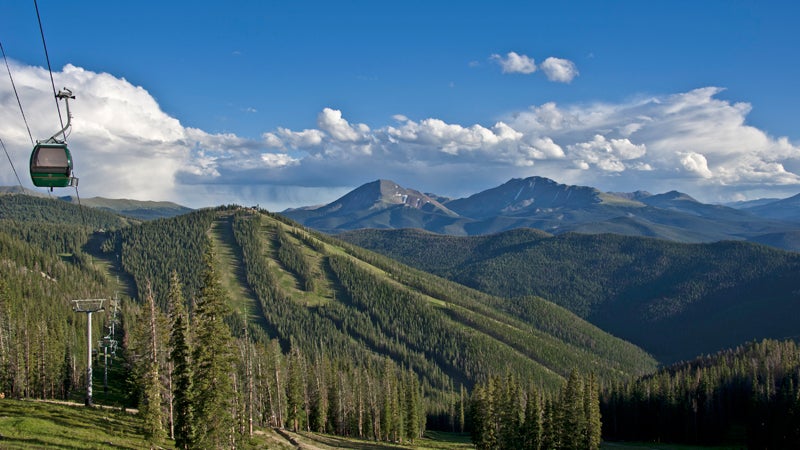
(63, 94)
(12, 164)
(49, 68)
(16, 94)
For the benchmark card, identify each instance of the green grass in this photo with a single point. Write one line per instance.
(35, 425)
(28, 424)
(433, 440)
(228, 266)
(659, 446)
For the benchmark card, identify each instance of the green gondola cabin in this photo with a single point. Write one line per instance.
(51, 165)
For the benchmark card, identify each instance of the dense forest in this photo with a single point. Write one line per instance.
(42, 269)
(242, 319)
(749, 394)
(719, 294)
(506, 414)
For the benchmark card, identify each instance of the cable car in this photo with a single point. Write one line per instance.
(51, 165)
(51, 161)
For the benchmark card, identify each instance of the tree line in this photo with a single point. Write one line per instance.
(749, 395)
(207, 387)
(40, 336)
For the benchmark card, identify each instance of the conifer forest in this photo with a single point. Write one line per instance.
(233, 319)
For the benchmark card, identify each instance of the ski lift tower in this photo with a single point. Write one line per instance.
(88, 306)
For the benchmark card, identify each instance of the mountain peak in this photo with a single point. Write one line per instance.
(382, 194)
(675, 195)
(525, 195)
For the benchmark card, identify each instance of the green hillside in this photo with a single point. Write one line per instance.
(316, 291)
(674, 300)
(310, 333)
(747, 395)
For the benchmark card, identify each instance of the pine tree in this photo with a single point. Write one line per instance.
(573, 428)
(180, 351)
(5, 301)
(150, 409)
(551, 430)
(213, 393)
(531, 426)
(294, 389)
(591, 408)
(462, 415)
(508, 412)
(412, 405)
(484, 416)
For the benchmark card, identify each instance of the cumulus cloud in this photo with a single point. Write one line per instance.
(125, 146)
(515, 63)
(560, 70)
(331, 121)
(555, 69)
(696, 163)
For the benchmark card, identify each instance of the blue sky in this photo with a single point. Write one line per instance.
(286, 104)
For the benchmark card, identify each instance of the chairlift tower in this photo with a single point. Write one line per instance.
(88, 306)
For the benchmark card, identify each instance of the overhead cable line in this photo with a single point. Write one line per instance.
(12, 164)
(49, 68)
(56, 96)
(14, 86)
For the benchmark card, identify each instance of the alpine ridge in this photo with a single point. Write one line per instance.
(544, 204)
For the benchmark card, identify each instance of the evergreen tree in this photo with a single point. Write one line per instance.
(150, 409)
(483, 414)
(213, 388)
(509, 408)
(180, 352)
(551, 426)
(412, 406)
(462, 416)
(573, 429)
(531, 426)
(5, 301)
(591, 409)
(294, 390)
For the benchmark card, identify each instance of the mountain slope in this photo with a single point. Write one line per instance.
(142, 210)
(785, 209)
(674, 300)
(544, 204)
(526, 197)
(381, 203)
(322, 294)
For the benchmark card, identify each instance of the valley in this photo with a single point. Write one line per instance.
(328, 336)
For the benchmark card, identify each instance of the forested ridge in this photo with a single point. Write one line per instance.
(352, 318)
(43, 268)
(641, 289)
(337, 339)
(346, 341)
(745, 395)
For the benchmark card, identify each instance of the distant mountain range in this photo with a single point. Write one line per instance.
(544, 204)
(674, 300)
(137, 209)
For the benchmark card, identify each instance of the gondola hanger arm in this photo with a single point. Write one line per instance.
(64, 94)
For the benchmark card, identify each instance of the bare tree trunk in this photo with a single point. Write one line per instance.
(278, 389)
(360, 402)
(42, 359)
(27, 359)
(249, 369)
(171, 405)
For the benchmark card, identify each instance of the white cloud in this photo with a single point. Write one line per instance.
(696, 163)
(301, 139)
(125, 146)
(515, 63)
(560, 70)
(278, 160)
(330, 121)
